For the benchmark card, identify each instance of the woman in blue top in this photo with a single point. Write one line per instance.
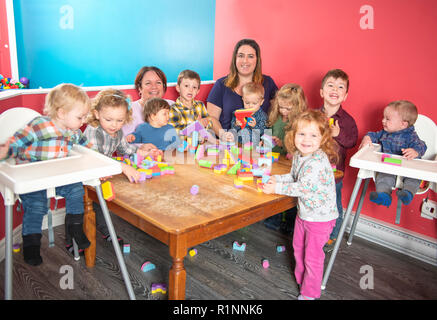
(225, 96)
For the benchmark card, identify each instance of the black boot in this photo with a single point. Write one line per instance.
(74, 230)
(31, 249)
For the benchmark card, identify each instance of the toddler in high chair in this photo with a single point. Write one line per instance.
(48, 137)
(110, 110)
(311, 180)
(397, 137)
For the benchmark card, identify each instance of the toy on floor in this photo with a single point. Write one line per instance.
(265, 263)
(192, 252)
(280, 248)
(238, 247)
(159, 287)
(147, 266)
(126, 248)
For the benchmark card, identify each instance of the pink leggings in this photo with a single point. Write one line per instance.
(308, 241)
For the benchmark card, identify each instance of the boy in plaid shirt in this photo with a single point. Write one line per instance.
(397, 137)
(186, 110)
(48, 137)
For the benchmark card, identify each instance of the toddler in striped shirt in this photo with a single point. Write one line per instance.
(48, 137)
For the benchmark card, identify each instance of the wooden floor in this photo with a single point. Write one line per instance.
(218, 272)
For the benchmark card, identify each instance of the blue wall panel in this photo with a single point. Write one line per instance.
(96, 42)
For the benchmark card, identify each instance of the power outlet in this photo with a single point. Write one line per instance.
(429, 209)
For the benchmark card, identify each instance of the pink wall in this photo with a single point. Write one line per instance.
(302, 39)
(5, 61)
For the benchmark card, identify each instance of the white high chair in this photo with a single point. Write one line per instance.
(368, 160)
(82, 165)
(11, 121)
(426, 129)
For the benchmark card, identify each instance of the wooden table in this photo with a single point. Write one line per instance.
(164, 208)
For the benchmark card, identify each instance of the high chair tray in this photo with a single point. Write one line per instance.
(370, 158)
(81, 165)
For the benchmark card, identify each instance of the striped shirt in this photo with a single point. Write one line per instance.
(106, 144)
(40, 140)
(182, 116)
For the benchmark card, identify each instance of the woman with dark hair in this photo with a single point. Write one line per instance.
(225, 96)
(150, 82)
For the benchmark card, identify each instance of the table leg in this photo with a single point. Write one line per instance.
(89, 226)
(357, 213)
(342, 229)
(177, 276)
(8, 252)
(115, 243)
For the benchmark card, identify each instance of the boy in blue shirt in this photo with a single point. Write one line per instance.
(156, 129)
(397, 137)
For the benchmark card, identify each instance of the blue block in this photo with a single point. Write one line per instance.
(239, 247)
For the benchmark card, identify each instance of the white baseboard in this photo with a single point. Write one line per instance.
(58, 218)
(414, 245)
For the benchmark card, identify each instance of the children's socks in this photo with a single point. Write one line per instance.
(405, 196)
(381, 198)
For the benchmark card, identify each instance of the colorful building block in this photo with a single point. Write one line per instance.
(238, 183)
(147, 266)
(126, 248)
(238, 247)
(108, 191)
(159, 287)
(386, 158)
(265, 263)
(205, 163)
(192, 252)
(194, 189)
(280, 248)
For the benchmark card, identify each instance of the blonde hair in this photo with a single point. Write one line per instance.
(232, 80)
(153, 106)
(292, 94)
(406, 109)
(109, 98)
(327, 144)
(253, 88)
(64, 96)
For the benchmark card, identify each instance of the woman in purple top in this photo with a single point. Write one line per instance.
(225, 96)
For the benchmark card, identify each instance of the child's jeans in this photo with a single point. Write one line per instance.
(308, 241)
(35, 205)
